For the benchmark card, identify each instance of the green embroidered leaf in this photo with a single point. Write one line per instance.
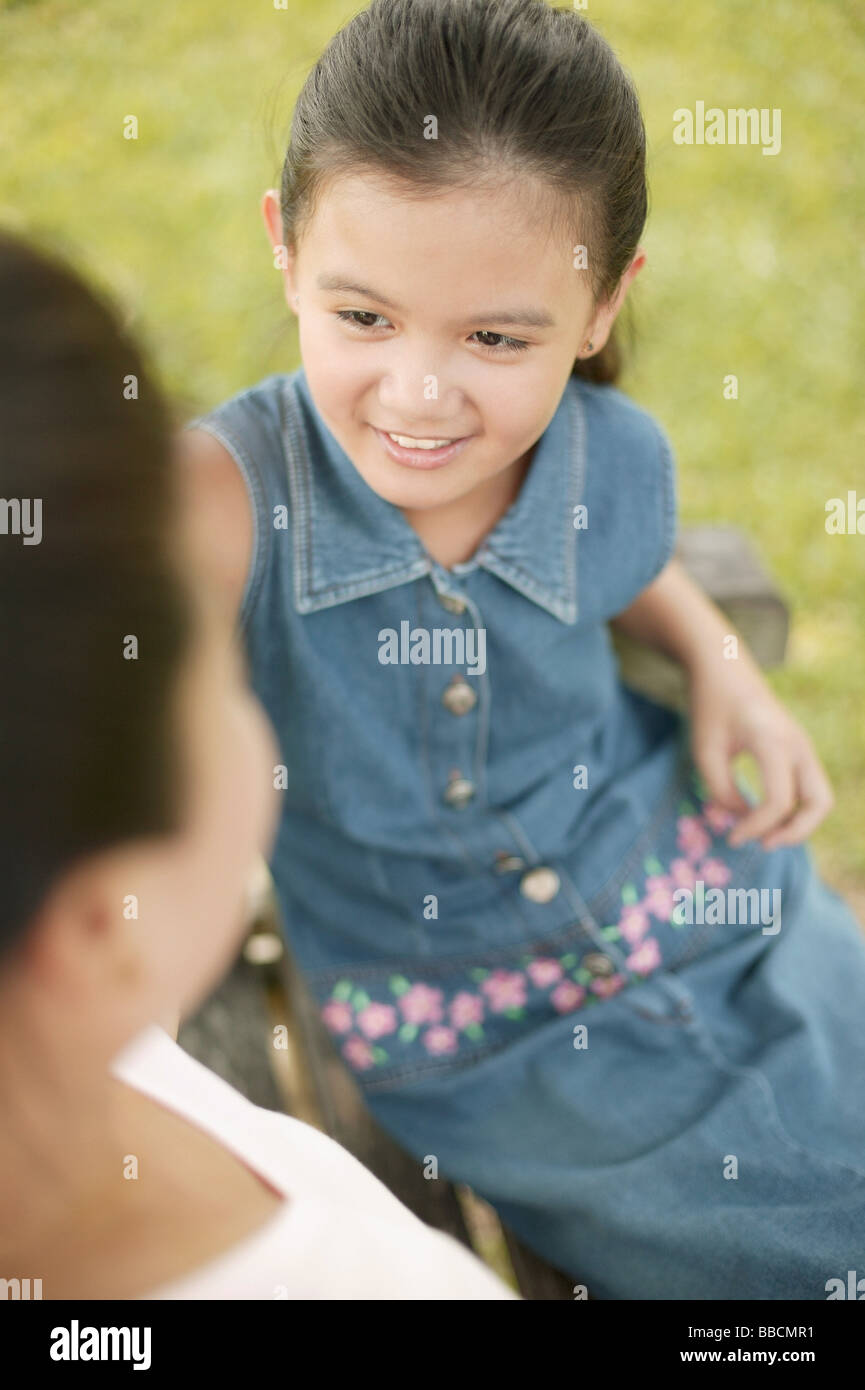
(478, 975)
(514, 1013)
(526, 960)
(398, 984)
(360, 999)
(685, 808)
(568, 962)
(583, 977)
(343, 990)
(629, 893)
(408, 1032)
(379, 1055)
(610, 933)
(474, 1031)
(653, 865)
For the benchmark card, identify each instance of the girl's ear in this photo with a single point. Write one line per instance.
(602, 324)
(283, 256)
(272, 216)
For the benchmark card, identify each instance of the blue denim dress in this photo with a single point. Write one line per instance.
(485, 858)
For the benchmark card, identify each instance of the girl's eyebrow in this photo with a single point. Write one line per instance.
(517, 318)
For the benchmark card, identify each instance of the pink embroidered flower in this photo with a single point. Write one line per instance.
(421, 1004)
(440, 1040)
(358, 1052)
(646, 958)
(717, 819)
(683, 873)
(692, 837)
(377, 1019)
(337, 1015)
(715, 873)
(505, 989)
(466, 1009)
(544, 972)
(633, 922)
(567, 996)
(659, 896)
(604, 986)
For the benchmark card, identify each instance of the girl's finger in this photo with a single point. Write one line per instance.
(815, 801)
(713, 759)
(776, 767)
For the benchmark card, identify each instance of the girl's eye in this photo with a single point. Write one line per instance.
(352, 315)
(504, 344)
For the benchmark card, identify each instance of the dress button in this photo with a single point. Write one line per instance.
(540, 885)
(459, 790)
(458, 697)
(598, 963)
(452, 603)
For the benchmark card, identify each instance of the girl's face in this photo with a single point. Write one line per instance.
(452, 318)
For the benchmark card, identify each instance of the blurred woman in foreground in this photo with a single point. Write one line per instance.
(136, 770)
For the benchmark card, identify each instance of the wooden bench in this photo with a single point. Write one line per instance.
(264, 1000)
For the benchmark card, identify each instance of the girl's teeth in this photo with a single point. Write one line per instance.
(408, 443)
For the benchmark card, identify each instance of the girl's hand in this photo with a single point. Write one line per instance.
(733, 710)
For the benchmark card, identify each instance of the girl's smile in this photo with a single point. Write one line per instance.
(421, 457)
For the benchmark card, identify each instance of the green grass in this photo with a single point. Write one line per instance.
(755, 263)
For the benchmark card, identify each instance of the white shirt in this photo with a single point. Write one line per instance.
(339, 1235)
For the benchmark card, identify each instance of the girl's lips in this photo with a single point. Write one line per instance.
(421, 458)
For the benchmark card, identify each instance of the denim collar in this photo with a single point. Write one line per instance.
(349, 542)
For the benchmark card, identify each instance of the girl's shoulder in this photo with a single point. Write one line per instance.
(251, 421)
(627, 496)
(233, 457)
(620, 431)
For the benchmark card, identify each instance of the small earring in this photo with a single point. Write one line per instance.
(590, 347)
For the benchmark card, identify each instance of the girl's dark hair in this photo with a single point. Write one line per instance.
(515, 85)
(87, 737)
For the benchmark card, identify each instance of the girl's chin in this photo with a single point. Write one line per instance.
(419, 491)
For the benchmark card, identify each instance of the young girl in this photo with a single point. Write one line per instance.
(488, 846)
(127, 1169)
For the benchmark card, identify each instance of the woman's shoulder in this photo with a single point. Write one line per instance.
(340, 1234)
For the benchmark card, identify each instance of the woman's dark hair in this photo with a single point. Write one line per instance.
(87, 739)
(516, 86)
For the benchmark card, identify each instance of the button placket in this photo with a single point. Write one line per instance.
(458, 742)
